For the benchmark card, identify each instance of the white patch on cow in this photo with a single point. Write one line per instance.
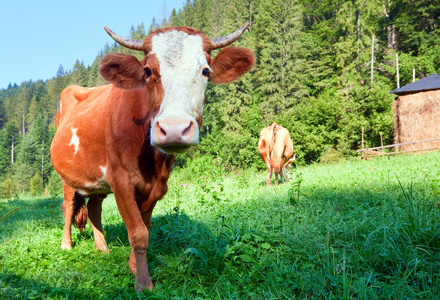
(99, 186)
(103, 170)
(181, 58)
(102, 183)
(82, 192)
(74, 140)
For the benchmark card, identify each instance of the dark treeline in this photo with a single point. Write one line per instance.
(324, 70)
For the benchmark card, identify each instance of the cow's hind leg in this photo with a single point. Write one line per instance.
(74, 211)
(94, 207)
(68, 208)
(269, 173)
(276, 172)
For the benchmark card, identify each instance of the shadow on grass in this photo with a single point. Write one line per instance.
(182, 249)
(177, 243)
(174, 239)
(46, 211)
(16, 287)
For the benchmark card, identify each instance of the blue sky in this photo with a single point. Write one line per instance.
(38, 36)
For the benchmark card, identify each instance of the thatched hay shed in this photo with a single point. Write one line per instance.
(416, 113)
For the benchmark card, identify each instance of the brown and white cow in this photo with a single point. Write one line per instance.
(275, 147)
(122, 138)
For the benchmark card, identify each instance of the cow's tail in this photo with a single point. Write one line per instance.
(287, 163)
(80, 212)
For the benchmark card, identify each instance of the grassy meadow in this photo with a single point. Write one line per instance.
(355, 230)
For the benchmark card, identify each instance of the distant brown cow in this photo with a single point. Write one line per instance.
(122, 138)
(275, 148)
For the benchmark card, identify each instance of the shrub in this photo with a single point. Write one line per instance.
(331, 156)
(55, 185)
(8, 189)
(36, 183)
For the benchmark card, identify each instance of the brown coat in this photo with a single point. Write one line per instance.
(122, 138)
(275, 147)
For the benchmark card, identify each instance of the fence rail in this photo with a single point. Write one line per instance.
(401, 144)
(375, 151)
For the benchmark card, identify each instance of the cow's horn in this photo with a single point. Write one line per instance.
(126, 42)
(227, 40)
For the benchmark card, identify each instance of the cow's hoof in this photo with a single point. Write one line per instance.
(103, 250)
(66, 246)
(139, 286)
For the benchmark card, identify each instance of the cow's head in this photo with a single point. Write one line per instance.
(286, 168)
(175, 71)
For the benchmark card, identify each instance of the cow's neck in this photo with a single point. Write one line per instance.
(130, 124)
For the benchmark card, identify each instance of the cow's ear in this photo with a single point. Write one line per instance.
(231, 63)
(123, 70)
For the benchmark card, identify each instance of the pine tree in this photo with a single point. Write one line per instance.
(2, 113)
(154, 25)
(280, 70)
(25, 165)
(172, 19)
(94, 78)
(23, 102)
(78, 74)
(54, 89)
(8, 137)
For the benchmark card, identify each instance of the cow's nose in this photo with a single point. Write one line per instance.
(174, 133)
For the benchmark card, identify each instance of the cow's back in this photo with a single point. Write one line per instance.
(265, 143)
(282, 147)
(76, 99)
(78, 149)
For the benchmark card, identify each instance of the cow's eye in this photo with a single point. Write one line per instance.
(205, 72)
(148, 71)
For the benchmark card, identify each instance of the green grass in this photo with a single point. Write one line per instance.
(358, 230)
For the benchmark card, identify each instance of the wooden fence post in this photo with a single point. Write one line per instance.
(397, 71)
(381, 144)
(362, 157)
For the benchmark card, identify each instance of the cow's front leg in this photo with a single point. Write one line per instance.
(138, 234)
(94, 207)
(146, 217)
(138, 260)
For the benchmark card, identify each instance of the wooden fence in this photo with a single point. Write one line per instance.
(375, 151)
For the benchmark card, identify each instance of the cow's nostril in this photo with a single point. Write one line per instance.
(162, 131)
(187, 129)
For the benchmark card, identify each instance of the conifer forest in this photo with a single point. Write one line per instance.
(325, 69)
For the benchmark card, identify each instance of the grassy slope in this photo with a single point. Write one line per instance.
(359, 230)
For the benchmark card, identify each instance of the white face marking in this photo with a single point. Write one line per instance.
(74, 140)
(181, 58)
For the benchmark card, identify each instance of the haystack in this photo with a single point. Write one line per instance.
(416, 113)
